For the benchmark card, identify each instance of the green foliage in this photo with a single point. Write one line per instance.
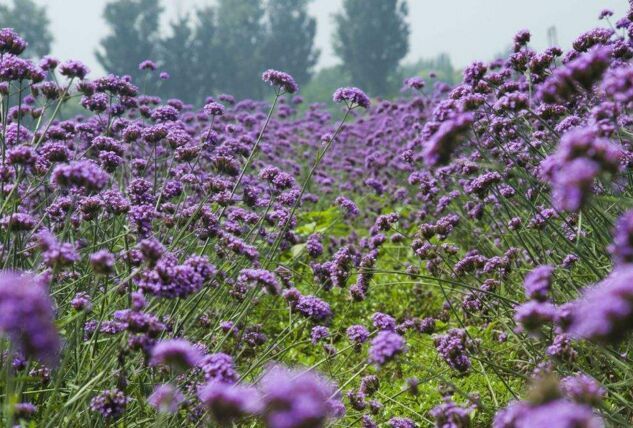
(324, 83)
(31, 21)
(174, 55)
(134, 35)
(240, 30)
(371, 38)
(289, 45)
(441, 65)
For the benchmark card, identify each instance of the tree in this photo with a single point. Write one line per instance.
(206, 52)
(371, 37)
(240, 30)
(290, 42)
(134, 35)
(176, 55)
(31, 22)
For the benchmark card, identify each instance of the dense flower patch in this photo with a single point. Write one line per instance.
(458, 257)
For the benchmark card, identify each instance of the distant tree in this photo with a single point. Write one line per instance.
(371, 37)
(176, 55)
(240, 31)
(134, 35)
(441, 66)
(290, 41)
(31, 22)
(205, 53)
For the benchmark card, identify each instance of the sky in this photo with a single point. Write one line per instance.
(467, 30)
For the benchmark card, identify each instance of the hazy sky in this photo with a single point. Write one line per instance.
(465, 29)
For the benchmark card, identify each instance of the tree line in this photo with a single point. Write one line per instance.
(225, 47)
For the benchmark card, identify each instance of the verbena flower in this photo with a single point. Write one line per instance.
(27, 317)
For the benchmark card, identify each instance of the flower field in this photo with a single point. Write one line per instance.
(461, 256)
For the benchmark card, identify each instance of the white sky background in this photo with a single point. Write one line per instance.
(467, 30)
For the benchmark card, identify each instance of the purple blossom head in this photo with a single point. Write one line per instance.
(357, 334)
(583, 389)
(314, 308)
(27, 317)
(214, 109)
(385, 347)
(452, 347)
(449, 414)
(227, 402)
(537, 283)
(147, 65)
(622, 247)
(383, 321)
(295, 398)
(102, 262)
(282, 80)
(414, 82)
(176, 353)
(73, 69)
(604, 312)
(110, 404)
(398, 422)
(83, 174)
(557, 413)
(318, 334)
(166, 398)
(534, 314)
(11, 42)
(351, 96)
(219, 367)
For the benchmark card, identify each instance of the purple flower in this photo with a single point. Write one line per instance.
(357, 334)
(102, 262)
(583, 389)
(604, 312)
(622, 247)
(383, 321)
(81, 302)
(352, 96)
(314, 246)
(110, 403)
(24, 410)
(439, 147)
(214, 109)
(219, 367)
(397, 422)
(27, 317)
(148, 65)
(73, 69)
(227, 402)
(261, 278)
(280, 79)
(295, 399)
(11, 42)
(533, 315)
(83, 174)
(166, 398)
(349, 206)
(450, 415)
(318, 333)
(385, 346)
(537, 283)
(177, 353)
(554, 414)
(314, 308)
(452, 347)
(414, 82)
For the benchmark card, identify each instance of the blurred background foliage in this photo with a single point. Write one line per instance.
(224, 48)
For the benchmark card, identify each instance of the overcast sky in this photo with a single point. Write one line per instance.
(466, 29)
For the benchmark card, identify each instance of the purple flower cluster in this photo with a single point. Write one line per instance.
(452, 347)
